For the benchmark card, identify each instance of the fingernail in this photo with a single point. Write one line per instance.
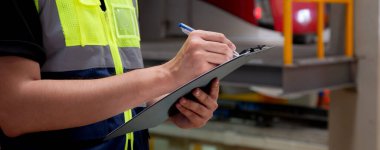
(183, 101)
(216, 82)
(196, 93)
(231, 45)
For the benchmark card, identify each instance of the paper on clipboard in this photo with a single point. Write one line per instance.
(160, 111)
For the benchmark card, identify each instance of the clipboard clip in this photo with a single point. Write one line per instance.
(255, 49)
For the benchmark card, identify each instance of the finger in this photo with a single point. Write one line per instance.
(214, 90)
(216, 58)
(197, 108)
(213, 36)
(191, 116)
(205, 99)
(219, 48)
(216, 47)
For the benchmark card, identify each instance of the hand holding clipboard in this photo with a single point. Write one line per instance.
(159, 112)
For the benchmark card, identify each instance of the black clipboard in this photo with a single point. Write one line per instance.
(160, 111)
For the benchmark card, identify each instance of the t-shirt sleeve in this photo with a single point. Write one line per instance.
(20, 30)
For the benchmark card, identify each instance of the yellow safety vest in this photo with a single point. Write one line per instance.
(78, 35)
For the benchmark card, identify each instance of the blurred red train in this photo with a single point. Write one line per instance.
(269, 14)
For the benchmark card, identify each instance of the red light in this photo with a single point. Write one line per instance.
(258, 12)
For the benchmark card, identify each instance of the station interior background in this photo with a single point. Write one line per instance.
(246, 119)
(308, 95)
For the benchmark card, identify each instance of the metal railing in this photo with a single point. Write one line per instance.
(288, 33)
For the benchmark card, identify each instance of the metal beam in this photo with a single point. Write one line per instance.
(304, 76)
(318, 76)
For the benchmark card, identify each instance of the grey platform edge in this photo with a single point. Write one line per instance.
(305, 75)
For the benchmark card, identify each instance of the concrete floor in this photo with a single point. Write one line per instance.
(245, 135)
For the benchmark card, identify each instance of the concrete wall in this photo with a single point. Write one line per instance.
(354, 118)
(366, 131)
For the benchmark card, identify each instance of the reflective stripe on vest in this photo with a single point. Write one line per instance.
(94, 56)
(78, 35)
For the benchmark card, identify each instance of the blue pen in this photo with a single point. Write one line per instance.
(187, 29)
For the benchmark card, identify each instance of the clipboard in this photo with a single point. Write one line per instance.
(159, 112)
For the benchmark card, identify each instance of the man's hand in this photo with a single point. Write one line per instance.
(195, 114)
(202, 51)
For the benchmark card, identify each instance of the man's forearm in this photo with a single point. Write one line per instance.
(40, 105)
(29, 104)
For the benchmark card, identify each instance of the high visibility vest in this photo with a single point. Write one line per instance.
(80, 38)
